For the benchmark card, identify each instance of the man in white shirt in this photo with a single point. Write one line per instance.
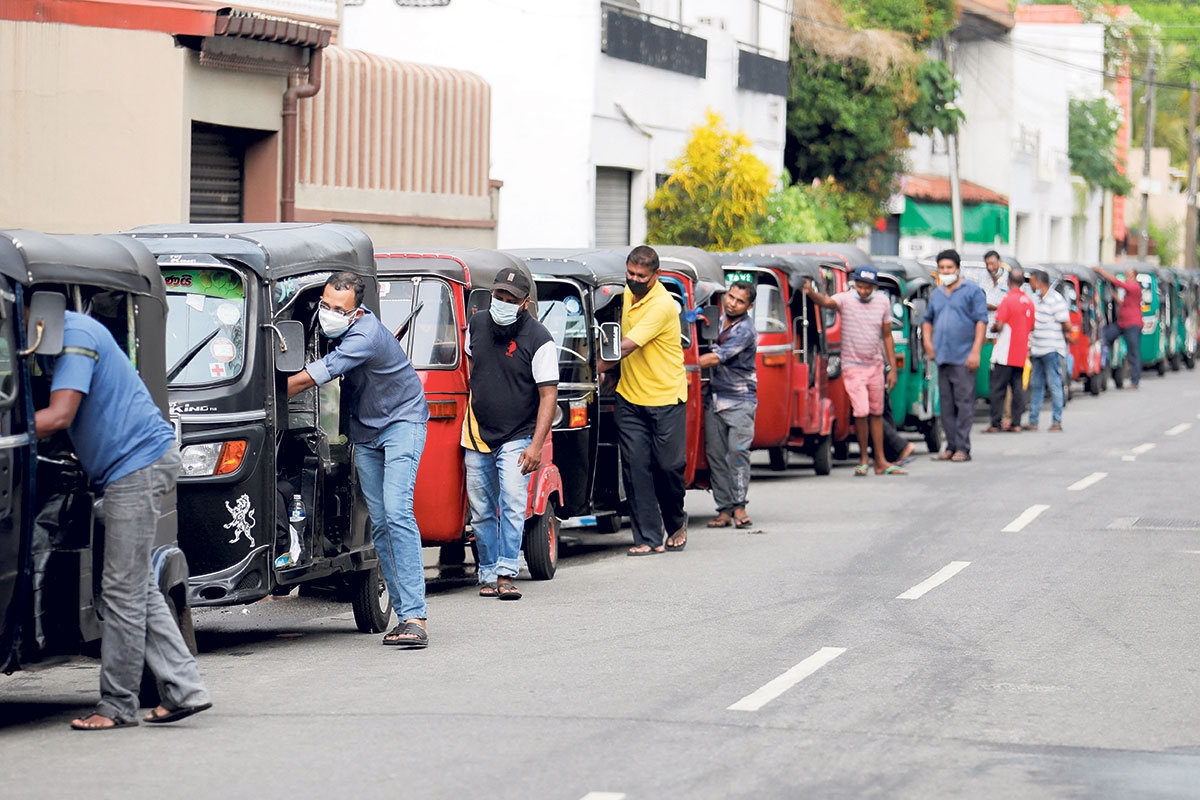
(1047, 350)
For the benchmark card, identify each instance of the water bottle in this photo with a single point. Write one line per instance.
(296, 513)
(296, 518)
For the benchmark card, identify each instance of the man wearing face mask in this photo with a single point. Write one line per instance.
(651, 413)
(866, 341)
(1047, 350)
(387, 427)
(514, 388)
(953, 331)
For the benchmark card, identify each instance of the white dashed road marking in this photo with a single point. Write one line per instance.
(604, 796)
(1090, 480)
(1178, 429)
(1143, 448)
(760, 697)
(1027, 516)
(936, 579)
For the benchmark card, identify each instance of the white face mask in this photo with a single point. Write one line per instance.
(333, 324)
(947, 280)
(504, 313)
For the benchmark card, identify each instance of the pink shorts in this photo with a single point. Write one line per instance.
(865, 387)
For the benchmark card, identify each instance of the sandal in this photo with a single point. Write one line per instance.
(506, 590)
(411, 635)
(992, 429)
(81, 724)
(743, 522)
(721, 521)
(488, 590)
(174, 715)
(943, 456)
(960, 457)
(860, 471)
(649, 551)
(893, 470)
(678, 545)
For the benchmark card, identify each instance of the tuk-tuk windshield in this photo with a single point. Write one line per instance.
(770, 313)
(206, 325)
(560, 309)
(1147, 282)
(424, 306)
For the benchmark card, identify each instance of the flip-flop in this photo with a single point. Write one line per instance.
(720, 522)
(636, 553)
(176, 714)
(961, 457)
(116, 723)
(893, 470)
(860, 471)
(744, 522)
(945, 455)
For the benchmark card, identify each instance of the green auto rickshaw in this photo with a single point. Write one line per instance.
(1155, 318)
(914, 401)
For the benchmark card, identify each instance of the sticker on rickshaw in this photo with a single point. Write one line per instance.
(216, 369)
(222, 350)
(228, 314)
(241, 520)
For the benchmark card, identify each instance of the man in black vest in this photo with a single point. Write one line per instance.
(514, 389)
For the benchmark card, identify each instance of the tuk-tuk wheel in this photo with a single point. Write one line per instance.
(1094, 384)
(778, 458)
(1118, 376)
(933, 435)
(823, 456)
(1189, 361)
(608, 523)
(370, 600)
(541, 543)
(1161, 367)
(1174, 360)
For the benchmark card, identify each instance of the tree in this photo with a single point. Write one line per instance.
(821, 212)
(1092, 143)
(716, 194)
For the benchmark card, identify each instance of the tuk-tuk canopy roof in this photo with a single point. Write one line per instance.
(915, 275)
(274, 251)
(592, 267)
(797, 267)
(846, 254)
(476, 268)
(1083, 273)
(107, 261)
(701, 265)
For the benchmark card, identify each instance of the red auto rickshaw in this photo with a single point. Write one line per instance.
(425, 299)
(1086, 342)
(795, 412)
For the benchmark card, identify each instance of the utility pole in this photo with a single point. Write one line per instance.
(956, 218)
(1189, 247)
(1147, 144)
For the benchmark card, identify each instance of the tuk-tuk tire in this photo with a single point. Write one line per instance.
(541, 543)
(1118, 376)
(933, 435)
(841, 450)
(453, 554)
(1094, 385)
(608, 523)
(370, 601)
(778, 458)
(1189, 361)
(823, 455)
(1160, 367)
(1174, 361)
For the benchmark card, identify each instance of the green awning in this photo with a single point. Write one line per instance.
(986, 223)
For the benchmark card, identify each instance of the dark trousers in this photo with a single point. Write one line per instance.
(1003, 378)
(653, 441)
(957, 386)
(1133, 347)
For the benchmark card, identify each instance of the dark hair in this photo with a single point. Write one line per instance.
(749, 288)
(950, 254)
(1041, 275)
(991, 253)
(643, 256)
(348, 280)
(1016, 277)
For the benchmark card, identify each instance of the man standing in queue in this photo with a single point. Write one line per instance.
(1047, 350)
(387, 427)
(1012, 326)
(867, 348)
(953, 331)
(514, 389)
(651, 411)
(730, 406)
(1129, 321)
(127, 448)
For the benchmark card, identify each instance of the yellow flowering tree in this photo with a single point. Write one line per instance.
(716, 195)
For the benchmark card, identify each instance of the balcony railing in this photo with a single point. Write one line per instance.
(631, 36)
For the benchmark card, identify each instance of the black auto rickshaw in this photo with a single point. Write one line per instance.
(243, 301)
(51, 522)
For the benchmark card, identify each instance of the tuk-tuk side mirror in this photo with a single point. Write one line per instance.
(289, 345)
(44, 327)
(709, 323)
(610, 341)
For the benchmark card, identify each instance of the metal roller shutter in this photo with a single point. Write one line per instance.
(612, 206)
(218, 156)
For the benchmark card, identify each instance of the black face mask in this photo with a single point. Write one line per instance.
(638, 288)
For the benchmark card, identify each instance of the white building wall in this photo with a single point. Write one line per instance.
(557, 101)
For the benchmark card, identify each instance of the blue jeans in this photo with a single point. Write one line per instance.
(387, 474)
(1046, 371)
(497, 493)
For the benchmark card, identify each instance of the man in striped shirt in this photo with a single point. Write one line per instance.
(1047, 349)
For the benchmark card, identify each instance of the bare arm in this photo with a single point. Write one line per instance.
(627, 346)
(709, 360)
(889, 348)
(927, 339)
(299, 382)
(59, 415)
(822, 300)
(977, 346)
(531, 457)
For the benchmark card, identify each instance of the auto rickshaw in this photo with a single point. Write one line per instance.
(1188, 316)
(794, 411)
(915, 401)
(52, 528)
(243, 301)
(426, 298)
(1177, 282)
(1115, 360)
(1155, 318)
(1081, 288)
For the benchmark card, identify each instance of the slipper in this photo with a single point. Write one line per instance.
(635, 553)
(675, 548)
(488, 590)
(991, 429)
(893, 470)
(507, 590)
(960, 457)
(116, 723)
(1055, 428)
(720, 522)
(1029, 427)
(1012, 429)
(176, 714)
(744, 522)
(860, 471)
(417, 636)
(943, 456)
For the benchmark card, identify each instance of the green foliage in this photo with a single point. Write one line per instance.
(716, 195)
(922, 20)
(1092, 143)
(806, 213)
(934, 109)
(1166, 240)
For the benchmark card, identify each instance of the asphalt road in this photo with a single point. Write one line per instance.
(1025, 625)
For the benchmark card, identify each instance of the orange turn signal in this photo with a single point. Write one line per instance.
(900, 360)
(578, 418)
(232, 454)
(774, 360)
(443, 409)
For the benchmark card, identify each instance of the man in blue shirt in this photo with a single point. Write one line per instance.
(388, 413)
(953, 331)
(730, 406)
(128, 449)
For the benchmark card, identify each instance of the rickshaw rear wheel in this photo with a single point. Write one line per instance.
(370, 601)
(1189, 360)
(608, 523)
(778, 458)
(1174, 362)
(1161, 366)
(841, 450)
(1118, 376)
(823, 455)
(933, 435)
(541, 543)
(1094, 384)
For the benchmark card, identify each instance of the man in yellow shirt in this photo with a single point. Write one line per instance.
(651, 408)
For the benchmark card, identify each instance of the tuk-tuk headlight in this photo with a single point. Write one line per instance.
(212, 458)
(558, 416)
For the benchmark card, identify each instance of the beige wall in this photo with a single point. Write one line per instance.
(1168, 203)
